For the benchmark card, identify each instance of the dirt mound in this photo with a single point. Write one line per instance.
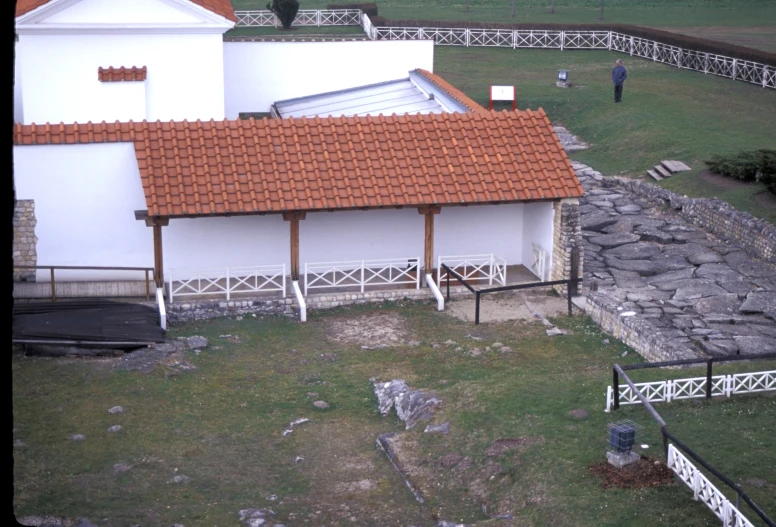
(371, 331)
(646, 472)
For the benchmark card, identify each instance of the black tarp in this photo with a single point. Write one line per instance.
(91, 320)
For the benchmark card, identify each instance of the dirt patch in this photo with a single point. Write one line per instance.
(646, 472)
(507, 306)
(766, 199)
(499, 446)
(371, 331)
(718, 180)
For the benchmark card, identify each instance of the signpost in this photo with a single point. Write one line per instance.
(503, 93)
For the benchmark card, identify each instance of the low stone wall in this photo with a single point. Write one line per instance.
(637, 333)
(287, 306)
(24, 240)
(755, 236)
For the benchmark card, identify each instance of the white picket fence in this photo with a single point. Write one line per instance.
(362, 273)
(709, 63)
(694, 388)
(477, 267)
(304, 17)
(705, 491)
(227, 281)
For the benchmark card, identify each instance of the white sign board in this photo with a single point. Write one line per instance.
(502, 93)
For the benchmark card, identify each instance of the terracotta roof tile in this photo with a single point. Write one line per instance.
(220, 7)
(247, 166)
(454, 92)
(112, 74)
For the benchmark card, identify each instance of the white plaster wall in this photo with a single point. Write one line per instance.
(59, 76)
(134, 12)
(357, 235)
(222, 242)
(480, 229)
(85, 198)
(18, 108)
(537, 228)
(256, 74)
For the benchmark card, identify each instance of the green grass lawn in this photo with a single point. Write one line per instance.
(220, 424)
(666, 113)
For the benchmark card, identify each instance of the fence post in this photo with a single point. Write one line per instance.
(669, 391)
(654, 51)
(514, 46)
(362, 276)
(765, 76)
(665, 441)
(53, 287)
(609, 41)
(706, 64)
(734, 69)
(448, 285)
(562, 38)
(477, 309)
(468, 34)
(172, 286)
(708, 378)
(609, 399)
(318, 17)
(148, 287)
(228, 289)
(616, 388)
(696, 483)
(631, 46)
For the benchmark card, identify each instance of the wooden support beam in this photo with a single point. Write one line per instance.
(157, 223)
(428, 251)
(294, 218)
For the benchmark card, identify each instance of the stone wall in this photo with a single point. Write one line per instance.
(755, 236)
(24, 240)
(567, 234)
(199, 310)
(636, 332)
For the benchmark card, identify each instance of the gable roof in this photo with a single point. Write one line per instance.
(269, 166)
(454, 92)
(220, 7)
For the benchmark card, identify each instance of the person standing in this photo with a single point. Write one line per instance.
(619, 74)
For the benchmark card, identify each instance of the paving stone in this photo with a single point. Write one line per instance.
(723, 304)
(699, 290)
(682, 321)
(628, 279)
(633, 251)
(668, 310)
(643, 267)
(620, 226)
(716, 271)
(630, 208)
(603, 204)
(740, 287)
(655, 311)
(684, 249)
(671, 276)
(695, 237)
(759, 302)
(671, 262)
(705, 257)
(614, 240)
(711, 348)
(738, 318)
(654, 235)
(597, 221)
(677, 284)
(742, 330)
(755, 345)
(679, 227)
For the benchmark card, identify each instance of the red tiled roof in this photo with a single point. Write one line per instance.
(112, 74)
(454, 92)
(220, 7)
(233, 167)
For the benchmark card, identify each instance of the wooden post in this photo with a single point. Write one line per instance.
(428, 251)
(293, 218)
(157, 223)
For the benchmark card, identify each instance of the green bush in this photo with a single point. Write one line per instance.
(285, 10)
(747, 165)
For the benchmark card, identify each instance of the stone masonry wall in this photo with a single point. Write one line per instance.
(755, 236)
(24, 240)
(567, 234)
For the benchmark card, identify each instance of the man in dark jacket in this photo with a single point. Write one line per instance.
(619, 74)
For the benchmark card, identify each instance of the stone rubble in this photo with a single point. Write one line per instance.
(708, 297)
(411, 406)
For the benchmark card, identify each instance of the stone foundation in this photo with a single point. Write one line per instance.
(24, 240)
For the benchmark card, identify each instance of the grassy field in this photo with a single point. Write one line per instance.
(666, 113)
(220, 424)
(747, 23)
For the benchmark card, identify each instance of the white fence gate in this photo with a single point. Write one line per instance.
(304, 17)
(695, 388)
(705, 491)
(362, 273)
(227, 281)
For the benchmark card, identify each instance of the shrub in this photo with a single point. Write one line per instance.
(285, 10)
(748, 165)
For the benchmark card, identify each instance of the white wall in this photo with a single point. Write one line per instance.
(134, 12)
(256, 74)
(59, 76)
(480, 229)
(221, 242)
(85, 199)
(18, 108)
(537, 228)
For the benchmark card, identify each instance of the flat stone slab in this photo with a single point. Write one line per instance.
(670, 262)
(755, 345)
(759, 302)
(699, 290)
(597, 221)
(654, 235)
(717, 271)
(705, 257)
(720, 304)
(628, 279)
(614, 240)
(671, 276)
(643, 267)
(689, 282)
(631, 208)
(620, 226)
(684, 249)
(633, 251)
(740, 287)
